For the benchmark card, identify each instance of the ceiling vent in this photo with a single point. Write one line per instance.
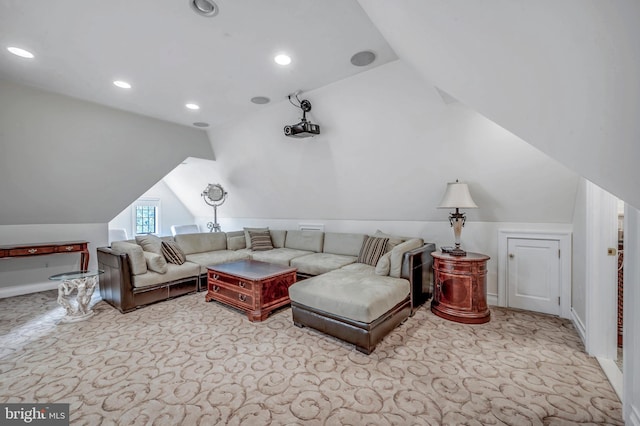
(204, 7)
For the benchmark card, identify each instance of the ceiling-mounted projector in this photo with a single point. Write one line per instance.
(304, 128)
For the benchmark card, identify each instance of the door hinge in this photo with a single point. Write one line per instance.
(558, 253)
(558, 300)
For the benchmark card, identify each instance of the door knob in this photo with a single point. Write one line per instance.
(511, 256)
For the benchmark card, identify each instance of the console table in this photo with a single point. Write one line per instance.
(38, 249)
(460, 287)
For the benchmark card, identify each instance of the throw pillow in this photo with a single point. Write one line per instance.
(150, 243)
(173, 253)
(393, 239)
(398, 253)
(384, 264)
(155, 262)
(247, 237)
(260, 240)
(372, 250)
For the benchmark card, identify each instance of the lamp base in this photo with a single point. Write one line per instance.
(457, 252)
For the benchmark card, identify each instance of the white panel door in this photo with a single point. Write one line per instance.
(533, 275)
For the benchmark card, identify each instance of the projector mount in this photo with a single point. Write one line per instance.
(304, 128)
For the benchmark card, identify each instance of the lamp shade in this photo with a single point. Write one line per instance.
(457, 196)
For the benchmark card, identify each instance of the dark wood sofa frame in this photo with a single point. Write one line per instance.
(417, 267)
(117, 289)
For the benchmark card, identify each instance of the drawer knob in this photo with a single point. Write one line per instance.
(242, 297)
(241, 284)
(216, 276)
(31, 251)
(216, 288)
(69, 248)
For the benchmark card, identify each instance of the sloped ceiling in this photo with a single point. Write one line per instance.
(63, 160)
(561, 75)
(389, 144)
(172, 56)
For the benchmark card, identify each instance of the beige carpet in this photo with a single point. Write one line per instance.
(187, 362)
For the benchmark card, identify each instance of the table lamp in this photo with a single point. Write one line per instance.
(457, 197)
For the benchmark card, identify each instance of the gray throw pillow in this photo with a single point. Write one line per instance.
(173, 253)
(260, 240)
(150, 243)
(155, 262)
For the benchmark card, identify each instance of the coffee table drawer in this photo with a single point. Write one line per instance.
(232, 281)
(231, 296)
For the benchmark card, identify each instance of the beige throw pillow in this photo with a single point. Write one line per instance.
(398, 252)
(150, 243)
(384, 264)
(156, 262)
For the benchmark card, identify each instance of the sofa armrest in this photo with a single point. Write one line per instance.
(115, 283)
(417, 267)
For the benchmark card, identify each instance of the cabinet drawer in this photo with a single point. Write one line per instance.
(231, 281)
(69, 248)
(230, 295)
(30, 251)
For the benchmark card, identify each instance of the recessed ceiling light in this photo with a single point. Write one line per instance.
(122, 84)
(193, 106)
(260, 100)
(364, 58)
(282, 59)
(204, 7)
(20, 52)
(201, 124)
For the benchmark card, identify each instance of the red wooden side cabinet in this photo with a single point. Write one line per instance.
(460, 288)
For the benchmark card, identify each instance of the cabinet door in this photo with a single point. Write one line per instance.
(456, 291)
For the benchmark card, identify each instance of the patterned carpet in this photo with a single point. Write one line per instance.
(188, 362)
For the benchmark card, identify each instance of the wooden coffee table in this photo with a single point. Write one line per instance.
(254, 287)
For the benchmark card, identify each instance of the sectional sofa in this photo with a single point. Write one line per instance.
(339, 292)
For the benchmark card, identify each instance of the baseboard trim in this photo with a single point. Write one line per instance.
(18, 290)
(577, 322)
(613, 373)
(492, 299)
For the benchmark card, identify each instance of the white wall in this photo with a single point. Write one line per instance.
(561, 75)
(63, 160)
(172, 211)
(388, 146)
(631, 325)
(31, 274)
(578, 288)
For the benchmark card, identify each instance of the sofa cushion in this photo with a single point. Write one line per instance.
(236, 240)
(137, 262)
(260, 240)
(372, 249)
(215, 258)
(277, 237)
(174, 272)
(279, 256)
(398, 252)
(247, 237)
(360, 267)
(173, 253)
(202, 242)
(320, 263)
(361, 297)
(150, 243)
(343, 243)
(155, 262)
(304, 240)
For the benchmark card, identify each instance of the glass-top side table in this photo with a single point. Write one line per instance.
(84, 282)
